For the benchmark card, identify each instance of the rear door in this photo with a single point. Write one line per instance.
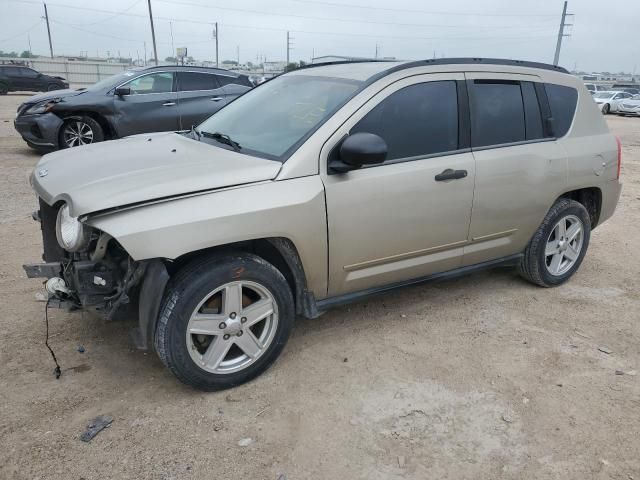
(152, 105)
(199, 96)
(520, 169)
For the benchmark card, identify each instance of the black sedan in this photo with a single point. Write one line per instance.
(18, 78)
(140, 100)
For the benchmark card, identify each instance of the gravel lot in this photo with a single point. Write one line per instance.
(481, 377)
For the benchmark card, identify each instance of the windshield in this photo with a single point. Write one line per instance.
(273, 119)
(113, 80)
(603, 95)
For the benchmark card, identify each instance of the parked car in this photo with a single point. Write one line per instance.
(140, 100)
(629, 88)
(593, 88)
(360, 178)
(608, 101)
(18, 78)
(630, 106)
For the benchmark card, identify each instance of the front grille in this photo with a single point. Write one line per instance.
(52, 252)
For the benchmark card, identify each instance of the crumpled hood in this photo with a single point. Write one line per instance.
(142, 168)
(41, 97)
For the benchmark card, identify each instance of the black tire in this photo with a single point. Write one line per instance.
(606, 108)
(96, 128)
(194, 283)
(53, 86)
(533, 266)
(4, 88)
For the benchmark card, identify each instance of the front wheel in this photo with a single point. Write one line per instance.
(79, 131)
(224, 321)
(557, 248)
(606, 108)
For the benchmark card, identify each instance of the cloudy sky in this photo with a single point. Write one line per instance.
(604, 36)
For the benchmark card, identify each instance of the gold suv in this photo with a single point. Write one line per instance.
(319, 187)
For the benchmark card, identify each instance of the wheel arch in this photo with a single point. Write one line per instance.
(278, 251)
(107, 128)
(590, 198)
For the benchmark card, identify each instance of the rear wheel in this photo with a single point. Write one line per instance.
(557, 248)
(224, 321)
(4, 88)
(80, 131)
(606, 108)
(53, 86)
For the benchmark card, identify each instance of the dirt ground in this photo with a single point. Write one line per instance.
(484, 377)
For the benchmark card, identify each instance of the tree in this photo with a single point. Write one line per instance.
(26, 54)
(8, 54)
(171, 59)
(291, 66)
(229, 62)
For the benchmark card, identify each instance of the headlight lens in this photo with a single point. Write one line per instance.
(72, 235)
(38, 108)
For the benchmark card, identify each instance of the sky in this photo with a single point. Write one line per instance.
(604, 35)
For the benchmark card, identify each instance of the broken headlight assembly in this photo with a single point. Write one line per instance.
(72, 234)
(39, 108)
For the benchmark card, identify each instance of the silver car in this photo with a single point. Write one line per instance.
(630, 106)
(320, 187)
(608, 101)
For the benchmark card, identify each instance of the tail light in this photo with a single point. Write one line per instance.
(619, 156)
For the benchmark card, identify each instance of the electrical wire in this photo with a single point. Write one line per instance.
(22, 33)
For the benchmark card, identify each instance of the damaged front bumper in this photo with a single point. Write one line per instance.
(39, 130)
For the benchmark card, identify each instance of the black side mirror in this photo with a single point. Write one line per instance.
(122, 91)
(357, 150)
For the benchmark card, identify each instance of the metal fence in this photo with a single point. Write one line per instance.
(76, 72)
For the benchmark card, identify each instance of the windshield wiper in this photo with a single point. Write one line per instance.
(222, 138)
(195, 132)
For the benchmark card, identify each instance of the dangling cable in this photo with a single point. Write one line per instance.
(57, 371)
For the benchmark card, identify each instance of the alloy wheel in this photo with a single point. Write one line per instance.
(77, 133)
(564, 245)
(232, 327)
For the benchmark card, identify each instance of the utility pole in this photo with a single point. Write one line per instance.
(29, 40)
(289, 45)
(173, 50)
(215, 35)
(145, 53)
(46, 16)
(561, 33)
(153, 33)
(376, 57)
(238, 54)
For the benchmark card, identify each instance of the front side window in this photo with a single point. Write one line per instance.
(152, 83)
(497, 113)
(27, 72)
(418, 120)
(273, 119)
(193, 81)
(226, 80)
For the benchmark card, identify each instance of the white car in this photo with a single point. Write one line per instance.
(609, 101)
(593, 88)
(630, 106)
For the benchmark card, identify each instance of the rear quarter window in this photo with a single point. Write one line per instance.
(562, 101)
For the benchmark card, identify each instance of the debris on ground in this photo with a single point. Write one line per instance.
(401, 461)
(606, 350)
(80, 349)
(245, 442)
(41, 297)
(507, 418)
(231, 399)
(282, 476)
(96, 426)
(619, 372)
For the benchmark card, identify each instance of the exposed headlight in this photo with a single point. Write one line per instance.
(42, 107)
(71, 233)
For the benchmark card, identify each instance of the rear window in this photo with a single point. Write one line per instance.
(497, 113)
(562, 101)
(195, 81)
(240, 80)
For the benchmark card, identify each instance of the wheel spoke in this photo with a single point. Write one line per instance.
(257, 311)
(556, 261)
(232, 298)
(248, 343)
(216, 353)
(206, 324)
(573, 231)
(571, 253)
(552, 248)
(562, 229)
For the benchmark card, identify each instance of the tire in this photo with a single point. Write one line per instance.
(84, 124)
(53, 86)
(606, 109)
(4, 88)
(538, 264)
(192, 289)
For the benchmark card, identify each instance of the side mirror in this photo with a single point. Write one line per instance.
(359, 149)
(122, 91)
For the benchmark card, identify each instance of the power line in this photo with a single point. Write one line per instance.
(430, 12)
(39, 22)
(115, 15)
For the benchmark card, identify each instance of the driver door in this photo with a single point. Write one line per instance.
(152, 105)
(394, 221)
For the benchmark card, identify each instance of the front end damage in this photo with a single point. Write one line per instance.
(98, 275)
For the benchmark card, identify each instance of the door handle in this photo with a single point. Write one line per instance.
(450, 174)
(216, 99)
(168, 104)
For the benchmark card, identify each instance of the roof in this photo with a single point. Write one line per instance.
(191, 68)
(370, 70)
